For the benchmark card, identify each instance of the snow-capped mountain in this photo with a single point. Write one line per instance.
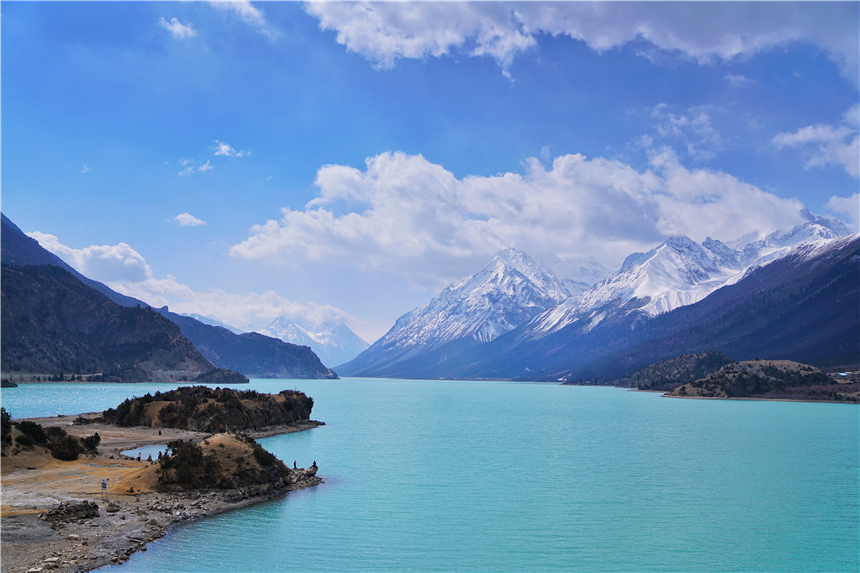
(212, 321)
(508, 292)
(577, 274)
(677, 273)
(333, 342)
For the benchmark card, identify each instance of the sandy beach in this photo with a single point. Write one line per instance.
(37, 536)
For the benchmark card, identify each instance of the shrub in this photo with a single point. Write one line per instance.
(263, 457)
(67, 449)
(25, 440)
(91, 442)
(34, 431)
(55, 434)
(190, 467)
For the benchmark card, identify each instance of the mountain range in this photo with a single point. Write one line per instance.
(511, 290)
(333, 342)
(772, 294)
(208, 346)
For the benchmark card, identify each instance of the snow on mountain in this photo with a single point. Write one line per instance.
(508, 292)
(333, 342)
(678, 273)
(212, 321)
(577, 274)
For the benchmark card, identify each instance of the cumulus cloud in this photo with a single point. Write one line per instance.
(188, 220)
(822, 144)
(704, 32)
(178, 29)
(848, 208)
(222, 148)
(125, 270)
(105, 263)
(404, 214)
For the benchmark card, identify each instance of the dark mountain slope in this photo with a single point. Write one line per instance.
(801, 308)
(18, 249)
(252, 354)
(52, 322)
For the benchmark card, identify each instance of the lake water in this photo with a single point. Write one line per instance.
(496, 476)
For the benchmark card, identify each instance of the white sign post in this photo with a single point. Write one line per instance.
(104, 487)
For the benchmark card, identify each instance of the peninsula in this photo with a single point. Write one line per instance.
(58, 513)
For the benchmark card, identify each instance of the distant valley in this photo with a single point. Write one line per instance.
(56, 320)
(779, 295)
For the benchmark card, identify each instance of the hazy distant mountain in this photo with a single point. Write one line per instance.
(576, 274)
(212, 321)
(333, 342)
(253, 354)
(508, 292)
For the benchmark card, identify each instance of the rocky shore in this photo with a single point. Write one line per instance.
(56, 517)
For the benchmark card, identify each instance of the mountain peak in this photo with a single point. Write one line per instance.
(332, 341)
(508, 292)
(835, 225)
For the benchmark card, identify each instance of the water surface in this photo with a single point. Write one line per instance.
(495, 476)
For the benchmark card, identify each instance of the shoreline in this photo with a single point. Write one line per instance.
(755, 399)
(39, 535)
(664, 394)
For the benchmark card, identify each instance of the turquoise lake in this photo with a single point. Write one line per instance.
(499, 476)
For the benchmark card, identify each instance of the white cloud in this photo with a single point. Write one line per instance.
(188, 220)
(739, 80)
(85, 169)
(823, 144)
(694, 131)
(405, 215)
(189, 168)
(124, 270)
(704, 32)
(178, 29)
(105, 263)
(848, 208)
(222, 148)
(248, 13)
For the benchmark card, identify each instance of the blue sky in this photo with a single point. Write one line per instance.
(348, 161)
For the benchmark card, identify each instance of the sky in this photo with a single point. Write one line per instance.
(347, 161)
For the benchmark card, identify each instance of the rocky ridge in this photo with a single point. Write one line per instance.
(52, 322)
(773, 379)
